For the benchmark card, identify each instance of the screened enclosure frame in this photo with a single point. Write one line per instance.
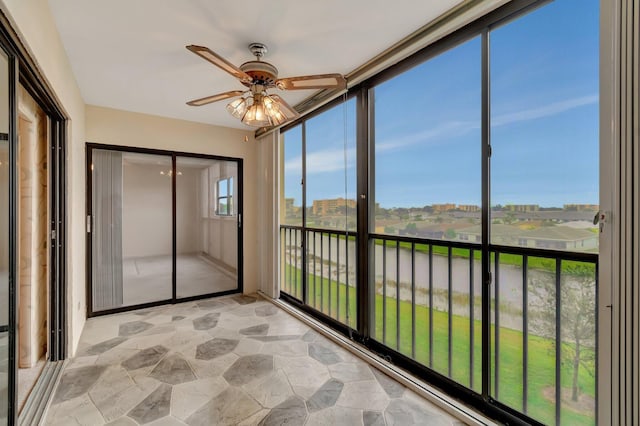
(173, 156)
(484, 400)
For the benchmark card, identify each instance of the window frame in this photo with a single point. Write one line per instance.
(364, 90)
(229, 197)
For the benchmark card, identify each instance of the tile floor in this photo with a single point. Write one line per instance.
(148, 279)
(237, 360)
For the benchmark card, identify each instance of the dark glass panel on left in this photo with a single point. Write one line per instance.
(4, 238)
(132, 244)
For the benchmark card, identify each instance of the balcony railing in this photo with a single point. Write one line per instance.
(426, 304)
(330, 271)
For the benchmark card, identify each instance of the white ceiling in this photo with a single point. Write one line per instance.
(130, 54)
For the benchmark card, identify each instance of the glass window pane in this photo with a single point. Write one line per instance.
(427, 148)
(206, 246)
(544, 194)
(331, 168)
(544, 128)
(291, 180)
(223, 208)
(222, 188)
(330, 185)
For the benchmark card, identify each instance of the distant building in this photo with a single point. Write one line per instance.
(547, 237)
(500, 234)
(324, 207)
(559, 238)
(468, 207)
(289, 208)
(288, 203)
(443, 207)
(523, 208)
(581, 207)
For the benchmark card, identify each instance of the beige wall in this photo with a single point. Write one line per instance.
(268, 181)
(115, 127)
(34, 23)
(35, 26)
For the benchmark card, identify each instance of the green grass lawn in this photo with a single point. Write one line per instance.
(541, 364)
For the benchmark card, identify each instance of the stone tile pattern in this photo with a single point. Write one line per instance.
(235, 360)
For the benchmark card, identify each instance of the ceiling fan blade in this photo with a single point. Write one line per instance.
(220, 62)
(320, 81)
(215, 98)
(286, 109)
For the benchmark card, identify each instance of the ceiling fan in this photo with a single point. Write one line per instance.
(255, 106)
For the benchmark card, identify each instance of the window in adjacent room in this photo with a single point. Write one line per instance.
(225, 197)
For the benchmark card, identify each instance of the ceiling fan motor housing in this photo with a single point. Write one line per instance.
(263, 73)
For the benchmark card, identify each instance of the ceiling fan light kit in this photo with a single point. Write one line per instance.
(256, 107)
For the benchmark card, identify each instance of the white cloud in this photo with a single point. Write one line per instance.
(322, 161)
(332, 160)
(543, 111)
(459, 127)
(448, 129)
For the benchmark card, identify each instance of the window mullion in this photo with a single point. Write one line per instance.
(303, 235)
(485, 224)
(364, 160)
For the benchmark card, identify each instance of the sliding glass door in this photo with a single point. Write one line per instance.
(318, 232)
(162, 227)
(207, 224)
(4, 239)
(132, 261)
(476, 163)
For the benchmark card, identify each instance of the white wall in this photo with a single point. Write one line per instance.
(36, 28)
(188, 232)
(146, 211)
(222, 231)
(110, 126)
(147, 222)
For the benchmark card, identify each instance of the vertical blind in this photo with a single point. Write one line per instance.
(107, 229)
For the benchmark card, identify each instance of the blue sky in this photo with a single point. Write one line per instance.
(544, 122)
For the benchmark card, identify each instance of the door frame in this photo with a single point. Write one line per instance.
(24, 71)
(90, 146)
(57, 228)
